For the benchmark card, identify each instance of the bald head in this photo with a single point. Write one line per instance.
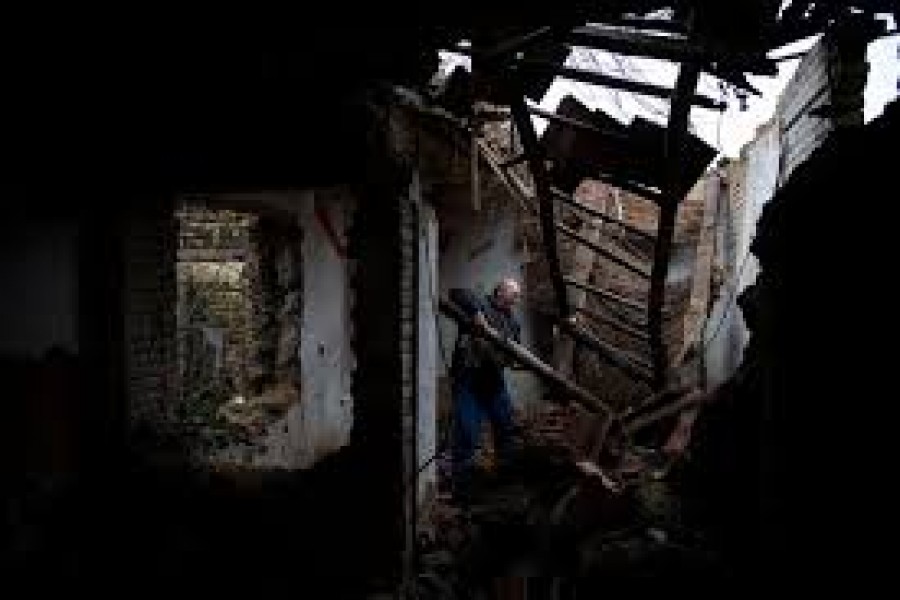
(507, 292)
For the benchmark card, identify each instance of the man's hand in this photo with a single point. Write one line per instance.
(481, 322)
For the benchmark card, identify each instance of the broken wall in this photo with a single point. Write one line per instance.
(824, 96)
(319, 422)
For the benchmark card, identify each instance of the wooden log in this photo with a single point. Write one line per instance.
(582, 267)
(607, 253)
(528, 360)
(607, 295)
(676, 133)
(607, 352)
(538, 167)
(617, 324)
(590, 210)
(632, 423)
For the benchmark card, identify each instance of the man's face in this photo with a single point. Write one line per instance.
(508, 294)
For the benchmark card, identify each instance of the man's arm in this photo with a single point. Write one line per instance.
(467, 300)
(472, 304)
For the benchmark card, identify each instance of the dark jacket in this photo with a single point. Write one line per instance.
(472, 357)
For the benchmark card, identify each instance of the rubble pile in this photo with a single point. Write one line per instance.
(551, 513)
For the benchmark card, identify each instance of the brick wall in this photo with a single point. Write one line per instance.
(214, 303)
(149, 329)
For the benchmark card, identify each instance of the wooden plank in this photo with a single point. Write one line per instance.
(676, 133)
(576, 124)
(582, 267)
(616, 324)
(630, 365)
(538, 166)
(607, 295)
(590, 210)
(513, 183)
(629, 186)
(609, 254)
(632, 424)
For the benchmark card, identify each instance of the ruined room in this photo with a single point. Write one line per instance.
(239, 276)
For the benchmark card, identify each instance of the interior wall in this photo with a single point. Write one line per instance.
(428, 354)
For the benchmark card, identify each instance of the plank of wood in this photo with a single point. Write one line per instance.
(528, 360)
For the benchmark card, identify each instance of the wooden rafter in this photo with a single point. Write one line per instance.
(677, 130)
(593, 212)
(607, 295)
(537, 165)
(614, 257)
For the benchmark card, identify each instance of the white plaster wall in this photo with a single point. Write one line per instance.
(428, 354)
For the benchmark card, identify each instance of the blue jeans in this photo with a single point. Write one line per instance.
(472, 402)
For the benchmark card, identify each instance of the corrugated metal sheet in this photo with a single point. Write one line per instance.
(801, 130)
(800, 141)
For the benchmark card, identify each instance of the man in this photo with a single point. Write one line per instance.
(479, 388)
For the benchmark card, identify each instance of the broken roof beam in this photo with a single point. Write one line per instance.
(590, 210)
(676, 134)
(617, 324)
(621, 314)
(575, 123)
(639, 189)
(525, 358)
(606, 295)
(537, 163)
(619, 259)
(667, 47)
(609, 81)
(633, 423)
(631, 365)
